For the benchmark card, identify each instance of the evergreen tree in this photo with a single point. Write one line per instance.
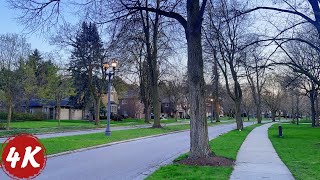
(87, 67)
(40, 76)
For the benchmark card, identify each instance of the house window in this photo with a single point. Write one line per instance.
(114, 108)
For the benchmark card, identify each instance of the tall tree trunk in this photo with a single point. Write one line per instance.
(9, 117)
(297, 109)
(317, 112)
(199, 141)
(58, 112)
(258, 112)
(259, 85)
(273, 115)
(156, 108)
(238, 114)
(317, 109)
(155, 73)
(292, 108)
(176, 115)
(147, 113)
(152, 61)
(313, 108)
(237, 98)
(216, 87)
(258, 105)
(97, 110)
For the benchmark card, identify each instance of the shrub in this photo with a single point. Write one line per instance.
(3, 116)
(23, 116)
(2, 125)
(116, 117)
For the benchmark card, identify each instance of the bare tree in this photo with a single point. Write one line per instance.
(199, 146)
(303, 59)
(13, 49)
(248, 101)
(192, 25)
(311, 90)
(173, 90)
(226, 37)
(215, 84)
(255, 73)
(302, 14)
(273, 95)
(150, 36)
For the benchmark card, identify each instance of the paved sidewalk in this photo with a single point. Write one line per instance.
(257, 159)
(91, 131)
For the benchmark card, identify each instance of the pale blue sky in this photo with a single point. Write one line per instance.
(8, 24)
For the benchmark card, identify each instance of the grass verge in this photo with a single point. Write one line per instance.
(51, 126)
(68, 143)
(299, 149)
(226, 145)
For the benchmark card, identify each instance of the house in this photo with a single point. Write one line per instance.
(69, 110)
(130, 105)
(169, 108)
(48, 109)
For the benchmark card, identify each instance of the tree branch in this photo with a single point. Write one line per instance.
(282, 10)
(173, 15)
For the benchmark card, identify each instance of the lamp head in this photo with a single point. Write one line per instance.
(106, 65)
(114, 64)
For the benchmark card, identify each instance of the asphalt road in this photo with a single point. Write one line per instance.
(131, 160)
(92, 131)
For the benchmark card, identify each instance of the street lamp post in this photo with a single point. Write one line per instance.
(211, 100)
(109, 73)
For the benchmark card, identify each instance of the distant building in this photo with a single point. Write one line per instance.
(169, 109)
(48, 109)
(68, 109)
(130, 105)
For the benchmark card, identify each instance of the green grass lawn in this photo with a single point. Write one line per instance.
(299, 149)
(226, 145)
(67, 143)
(45, 126)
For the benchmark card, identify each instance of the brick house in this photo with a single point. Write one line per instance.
(130, 105)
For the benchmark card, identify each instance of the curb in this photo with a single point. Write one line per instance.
(112, 143)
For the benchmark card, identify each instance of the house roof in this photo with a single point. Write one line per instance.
(131, 93)
(45, 102)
